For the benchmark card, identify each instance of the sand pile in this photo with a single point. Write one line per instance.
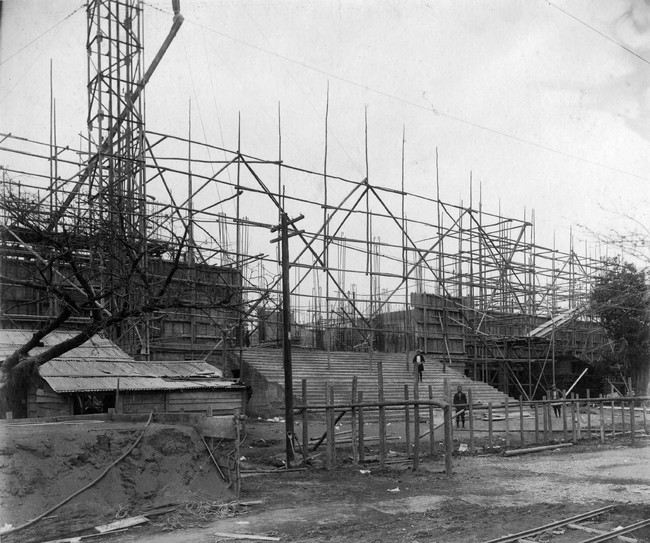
(40, 465)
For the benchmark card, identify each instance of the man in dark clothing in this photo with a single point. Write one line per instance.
(460, 402)
(418, 360)
(555, 394)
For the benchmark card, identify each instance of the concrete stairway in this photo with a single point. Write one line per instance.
(263, 369)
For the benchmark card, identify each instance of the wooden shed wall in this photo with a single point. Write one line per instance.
(42, 401)
(142, 402)
(222, 401)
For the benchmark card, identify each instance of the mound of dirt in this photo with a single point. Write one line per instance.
(42, 464)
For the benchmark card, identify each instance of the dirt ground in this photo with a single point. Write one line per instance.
(488, 496)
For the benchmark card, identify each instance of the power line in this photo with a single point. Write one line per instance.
(43, 34)
(429, 109)
(608, 38)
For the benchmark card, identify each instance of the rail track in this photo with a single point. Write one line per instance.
(572, 523)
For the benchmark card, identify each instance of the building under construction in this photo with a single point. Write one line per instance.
(373, 269)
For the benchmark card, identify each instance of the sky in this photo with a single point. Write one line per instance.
(545, 105)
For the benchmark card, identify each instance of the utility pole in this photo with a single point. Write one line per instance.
(286, 328)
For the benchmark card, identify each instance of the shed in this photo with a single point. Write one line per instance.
(99, 376)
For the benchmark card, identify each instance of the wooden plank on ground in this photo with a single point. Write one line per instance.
(246, 536)
(122, 523)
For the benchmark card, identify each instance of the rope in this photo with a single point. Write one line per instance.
(101, 476)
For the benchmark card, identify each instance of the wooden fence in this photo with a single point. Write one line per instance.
(569, 419)
(359, 410)
(513, 423)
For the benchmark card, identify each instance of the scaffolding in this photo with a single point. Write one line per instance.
(373, 267)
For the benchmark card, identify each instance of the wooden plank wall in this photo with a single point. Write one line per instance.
(44, 402)
(223, 401)
(142, 402)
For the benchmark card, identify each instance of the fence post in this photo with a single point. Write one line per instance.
(416, 427)
(471, 421)
(613, 420)
(382, 415)
(432, 441)
(449, 441)
(576, 396)
(574, 435)
(329, 426)
(545, 419)
(506, 411)
(490, 425)
(588, 415)
(407, 422)
(332, 441)
(602, 421)
(645, 422)
(622, 416)
(536, 408)
(305, 423)
(353, 422)
(521, 422)
(564, 422)
(362, 446)
(632, 421)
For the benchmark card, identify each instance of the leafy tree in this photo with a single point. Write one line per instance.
(620, 299)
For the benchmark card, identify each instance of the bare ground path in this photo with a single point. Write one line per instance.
(488, 496)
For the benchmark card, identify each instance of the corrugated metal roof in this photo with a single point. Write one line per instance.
(109, 384)
(96, 365)
(95, 348)
(132, 368)
(95, 375)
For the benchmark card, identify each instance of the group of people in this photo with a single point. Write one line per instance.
(459, 399)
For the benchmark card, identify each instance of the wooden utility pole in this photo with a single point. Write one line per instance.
(286, 329)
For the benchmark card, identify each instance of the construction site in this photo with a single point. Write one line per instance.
(256, 290)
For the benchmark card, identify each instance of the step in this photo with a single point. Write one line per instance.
(344, 366)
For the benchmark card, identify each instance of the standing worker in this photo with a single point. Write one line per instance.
(555, 394)
(418, 360)
(460, 403)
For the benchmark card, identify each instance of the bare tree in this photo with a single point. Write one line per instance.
(100, 269)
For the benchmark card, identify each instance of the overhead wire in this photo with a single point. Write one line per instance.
(602, 34)
(428, 108)
(42, 34)
(304, 93)
(37, 57)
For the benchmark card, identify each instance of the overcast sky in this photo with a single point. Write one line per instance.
(546, 104)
